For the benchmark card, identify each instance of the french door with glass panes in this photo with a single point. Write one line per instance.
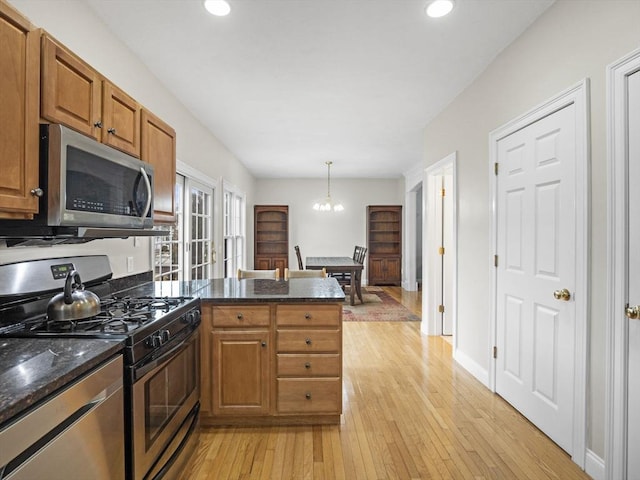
(187, 252)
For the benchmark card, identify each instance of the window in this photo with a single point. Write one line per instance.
(234, 232)
(187, 252)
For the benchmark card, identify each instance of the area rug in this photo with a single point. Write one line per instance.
(378, 306)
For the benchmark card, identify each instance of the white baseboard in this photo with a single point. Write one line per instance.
(482, 374)
(594, 466)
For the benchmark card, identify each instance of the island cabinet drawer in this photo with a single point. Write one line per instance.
(309, 365)
(241, 316)
(308, 340)
(309, 395)
(311, 315)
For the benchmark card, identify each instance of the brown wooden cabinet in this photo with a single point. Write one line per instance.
(246, 380)
(76, 95)
(19, 97)
(384, 243)
(309, 359)
(159, 149)
(271, 237)
(236, 361)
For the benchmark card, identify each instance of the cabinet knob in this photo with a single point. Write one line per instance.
(307, 365)
(37, 192)
(307, 316)
(307, 395)
(264, 344)
(111, 130)
(98, 124)
(239, 316)
(308, 341)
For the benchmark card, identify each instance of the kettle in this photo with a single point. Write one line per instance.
(74, 303)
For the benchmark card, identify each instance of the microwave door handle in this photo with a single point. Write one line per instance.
(148, 184)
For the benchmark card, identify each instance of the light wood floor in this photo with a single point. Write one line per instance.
(409, 413)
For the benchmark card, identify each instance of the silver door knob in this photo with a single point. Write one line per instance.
(563, 294)
(632, 312)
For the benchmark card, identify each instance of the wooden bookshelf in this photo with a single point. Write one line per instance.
(384, 243)
(271, 237)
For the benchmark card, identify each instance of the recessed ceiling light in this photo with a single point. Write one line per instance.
(439, 8)
(219, 8)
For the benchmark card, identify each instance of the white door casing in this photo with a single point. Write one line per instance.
(622, 425)
(540, 225)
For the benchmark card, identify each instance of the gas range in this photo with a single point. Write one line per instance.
(144, 323)
(161, 342)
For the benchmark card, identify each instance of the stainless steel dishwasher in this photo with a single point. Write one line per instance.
(77, 433)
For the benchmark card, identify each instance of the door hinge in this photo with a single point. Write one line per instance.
(495, 168)
(441, 251)
(442, 193)
(441, 308)
(495, 352)
(495, 260)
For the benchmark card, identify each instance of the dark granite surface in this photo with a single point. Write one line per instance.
(231, 290)
(31, 369)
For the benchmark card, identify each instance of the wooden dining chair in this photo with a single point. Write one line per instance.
(273, 274)
(304, 273)
(300, 265)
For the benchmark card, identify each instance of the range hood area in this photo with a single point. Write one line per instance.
(48, 236)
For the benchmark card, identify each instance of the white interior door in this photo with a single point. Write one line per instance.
(536, 247)
(633, 271)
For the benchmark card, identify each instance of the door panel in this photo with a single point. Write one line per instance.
(536, 252)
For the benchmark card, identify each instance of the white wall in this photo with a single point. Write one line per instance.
(327, 233)
(74, 24)
(570, 41)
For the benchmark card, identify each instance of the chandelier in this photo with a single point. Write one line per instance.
(328, 204)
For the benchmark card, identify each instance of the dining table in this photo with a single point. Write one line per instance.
(337, 265)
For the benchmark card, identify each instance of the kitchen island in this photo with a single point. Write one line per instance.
(271, 351)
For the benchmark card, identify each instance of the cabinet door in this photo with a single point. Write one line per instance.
(280, 263)
(392, 270)
(240, 383)
(158, 148)
(70, 90)
(120, 120)
(263, 263)
(19, 71)
(376, 270)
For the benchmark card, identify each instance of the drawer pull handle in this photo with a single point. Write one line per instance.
(307, 365)
(307, 316)
(308, 341)
(307, 395)
(239, 316)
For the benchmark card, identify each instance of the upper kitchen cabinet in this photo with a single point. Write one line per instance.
(76, 95)
(159, 149)
(19, 94)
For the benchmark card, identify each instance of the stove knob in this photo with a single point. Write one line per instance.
(154, 341)
(165, 335)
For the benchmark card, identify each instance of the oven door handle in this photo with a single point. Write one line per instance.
(141, 371)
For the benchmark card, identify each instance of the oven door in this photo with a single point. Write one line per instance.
(165, 405)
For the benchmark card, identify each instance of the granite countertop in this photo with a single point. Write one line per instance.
(232, 290)
(33, 368)
(251, 290)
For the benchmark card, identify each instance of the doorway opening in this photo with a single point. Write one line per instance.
(439, 304)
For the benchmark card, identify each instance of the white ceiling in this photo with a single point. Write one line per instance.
(289, 84)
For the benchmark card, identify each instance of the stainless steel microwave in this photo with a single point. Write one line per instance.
(87, 190)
